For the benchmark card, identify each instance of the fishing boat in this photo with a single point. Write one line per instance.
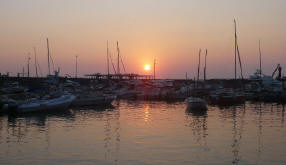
(194, 103)
(59, 103)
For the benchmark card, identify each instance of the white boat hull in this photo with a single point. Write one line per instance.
(60, 103)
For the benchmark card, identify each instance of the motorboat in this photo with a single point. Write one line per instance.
(37, 105)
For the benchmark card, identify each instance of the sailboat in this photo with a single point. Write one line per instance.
(230, 96)
(266, 80)
(194, 103)
(258, 74)
(56, 72)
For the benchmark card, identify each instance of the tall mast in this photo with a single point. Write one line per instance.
(23, 71)
(118, 59)
(107, 59)
(205, 69)
(198, 76)
(76, 66)
(36, 67)
(48, 56)
(235, 48)
(28, 65)
(260, 69)
(154, 69)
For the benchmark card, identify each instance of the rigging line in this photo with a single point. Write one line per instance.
(112, 63)
(52, 62)
(114, 50)
(40, 69)
(122, 62)
(37, 64)
(239, 61)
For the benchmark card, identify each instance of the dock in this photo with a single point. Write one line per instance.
(131, 76)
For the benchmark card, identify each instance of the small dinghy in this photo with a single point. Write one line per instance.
(196, 103)
(58, 103)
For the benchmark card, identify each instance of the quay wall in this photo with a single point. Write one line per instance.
(33, 81)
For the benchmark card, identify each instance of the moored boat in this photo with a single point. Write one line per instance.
(59, 103)
(196, 103)
(227, 96)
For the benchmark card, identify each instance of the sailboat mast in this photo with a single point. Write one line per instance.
(235, 48)
(118, 59)
(28, 65)
(260, 69)
(48, 56)
(154, 69)
(107, 58)
(23, 71)
(198, 76)
(76, 66)
(36, 67)
(205, 69)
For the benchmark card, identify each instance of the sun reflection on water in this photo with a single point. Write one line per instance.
(146, 113)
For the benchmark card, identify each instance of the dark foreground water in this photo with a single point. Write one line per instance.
(147, 133)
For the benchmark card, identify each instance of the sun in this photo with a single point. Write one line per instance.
(147, 67)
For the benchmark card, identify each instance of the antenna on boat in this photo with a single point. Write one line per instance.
(260, 69)
(48, 56)
(235, 48)
(36, 67)
(205, 68)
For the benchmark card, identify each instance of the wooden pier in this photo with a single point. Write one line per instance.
(131, 76)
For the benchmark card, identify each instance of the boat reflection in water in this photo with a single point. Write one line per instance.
(196, 112)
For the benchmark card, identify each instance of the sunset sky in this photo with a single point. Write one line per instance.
(170, 31)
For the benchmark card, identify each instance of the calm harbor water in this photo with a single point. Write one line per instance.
(141, 132)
